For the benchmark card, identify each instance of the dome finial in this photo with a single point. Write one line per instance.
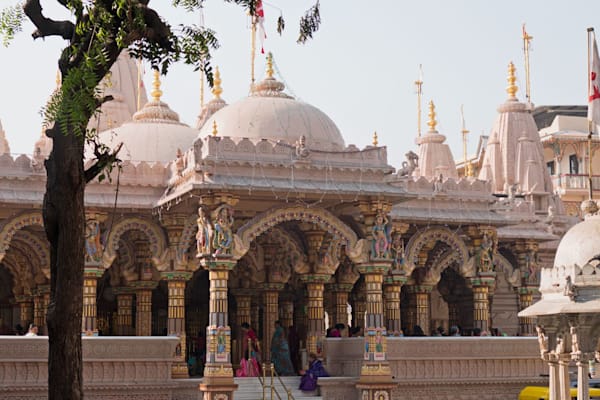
(432, 123)
(375, 141)
(215, 131)
(58, 79)
(512, 87)
(270, 65)
(156, 92)
(217, 89)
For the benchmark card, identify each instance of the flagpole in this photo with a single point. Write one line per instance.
(253, 50)
(419, 84)
(139, 83)
(526, 39)
(590, 121)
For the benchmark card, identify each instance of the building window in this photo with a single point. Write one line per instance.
(573, 164)
(550, 166)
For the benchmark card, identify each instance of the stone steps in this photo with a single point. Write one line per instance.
(251, 389)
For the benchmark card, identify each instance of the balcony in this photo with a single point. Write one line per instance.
(565, 182)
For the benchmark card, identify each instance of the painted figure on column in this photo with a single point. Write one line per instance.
(93, 247)
(381, 237)
(204, 233)
(397, 248)
(486, 254)
(223, 235)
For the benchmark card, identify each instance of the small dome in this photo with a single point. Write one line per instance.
(268, 113)
(580, 244)
(155, 133)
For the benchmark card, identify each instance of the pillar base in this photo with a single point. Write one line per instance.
(378, 385)
(179, 370)
(218, 374)
(217, 391)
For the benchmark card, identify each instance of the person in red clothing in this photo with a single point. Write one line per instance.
(250, 364)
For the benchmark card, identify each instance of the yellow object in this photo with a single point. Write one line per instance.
(215, 131)
(542, 393)
(375, 141)
(432, 123)
(156, 92)
(217, 89)
(512, 87)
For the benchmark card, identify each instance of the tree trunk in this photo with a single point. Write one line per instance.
(64, 221)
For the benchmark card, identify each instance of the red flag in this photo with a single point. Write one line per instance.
(594, 85)
(260, 19)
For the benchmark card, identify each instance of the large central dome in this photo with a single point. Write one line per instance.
(268, 113)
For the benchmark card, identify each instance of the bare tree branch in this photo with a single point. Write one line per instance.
(46, 26)
(104, 159)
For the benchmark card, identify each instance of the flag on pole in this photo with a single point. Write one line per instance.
(260, 19)
(594, 85)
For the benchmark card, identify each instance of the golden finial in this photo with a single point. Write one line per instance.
(156, 92)
(217, 89)
(58, 78)
(215, 131)
(270, 65)
(432, 123)
(375, 141)
(512, 87)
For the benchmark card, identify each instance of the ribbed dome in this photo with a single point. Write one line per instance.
(268, 113)
(580, 244)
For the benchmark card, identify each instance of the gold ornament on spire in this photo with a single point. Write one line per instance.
(270, 65)
(512, 87)
(156, 92)
(432, 123)
(375, 141)
(215, 131)
(58, 78)
(217, 89)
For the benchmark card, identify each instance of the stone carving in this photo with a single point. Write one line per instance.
(574, 338)
(485, 254)
(397, 248)
(37, 160)
(301, 149)
(438, 184)
(359, 253)
(410, 165)
(222, 238)
(180, 163)
(93, 247)
(570, 289)
(204, 234)
(380, 242)
(542, 340)
(560, 345)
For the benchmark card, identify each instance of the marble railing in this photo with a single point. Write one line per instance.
(443, 367)
(113, 367)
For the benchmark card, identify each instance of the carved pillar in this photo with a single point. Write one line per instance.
(526, 324)
(40, 307)
(124, 311)
(481, 285)
(286, 312)
(90, 283)
(340, 291)
(553, 376)
(583, 369)
(176, 319)
(270, 314)
(564, 360)
(391, 290)
(218, 372)
(315, 330)
(25, 310)
(243, 299)
(420, 304)
(301, 318)
(527, 259)
(143, 307)
(359, 310)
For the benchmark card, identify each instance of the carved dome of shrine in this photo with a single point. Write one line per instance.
(269, 113)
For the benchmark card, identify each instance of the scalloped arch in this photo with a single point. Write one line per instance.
(155, 235)
(272, 217)
(28, 242)
(439, 233)
(14, 225)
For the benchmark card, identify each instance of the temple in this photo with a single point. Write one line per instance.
(262, 212)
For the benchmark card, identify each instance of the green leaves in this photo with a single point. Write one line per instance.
(11, 20)
(309, 23)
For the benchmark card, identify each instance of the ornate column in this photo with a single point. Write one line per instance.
(40, 306)
(124, 311)
(26, 310)
(286, 312)
(143, 307)
(527, 259)
(359, 305)
(420, 303)
(392, 286)
(92, 271)
(176, 281)
(564, 359)
(243, 299)
(484, 245)
(218, 372)
(270, 315)
(340, 291)
(315, 329)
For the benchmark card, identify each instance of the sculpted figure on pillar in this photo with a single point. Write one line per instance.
(203, 236)
(397, 249)
(486, 254)
(380, 247)
(542, 339)
(93, 247)
(223, 235)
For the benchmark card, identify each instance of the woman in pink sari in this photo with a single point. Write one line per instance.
(249, 364)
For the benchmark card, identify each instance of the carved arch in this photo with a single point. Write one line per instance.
(40, 248)
(438, 233)
(156, 240)
(512, 274)
(187, 240)
(12, 226)
(270, 218)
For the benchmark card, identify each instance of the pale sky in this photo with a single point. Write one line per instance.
(360, 67)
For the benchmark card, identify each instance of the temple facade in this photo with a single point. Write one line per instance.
(262, 212)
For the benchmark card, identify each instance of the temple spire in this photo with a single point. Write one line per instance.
(156, 92)
(270, 65)
(512, 87)
(217, 89)
(375, 139)
(432, 123)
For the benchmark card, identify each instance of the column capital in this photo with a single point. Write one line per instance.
(124, 290)
(243, 292)
(220, 263)
(23, 298)
(375, 267)
(487, 279)
(149, 285)
(419, 288)
(315, 278)
(93, 271)
(341, 287)
(528, 289)
(273, 286)
(395, 277)
(176, 275)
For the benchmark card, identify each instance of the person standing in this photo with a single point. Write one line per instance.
(280, 352)
(249, 365)
(33, 330)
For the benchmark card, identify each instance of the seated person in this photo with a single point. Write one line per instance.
(308, 382)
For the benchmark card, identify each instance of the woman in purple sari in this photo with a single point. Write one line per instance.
(308, 382)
